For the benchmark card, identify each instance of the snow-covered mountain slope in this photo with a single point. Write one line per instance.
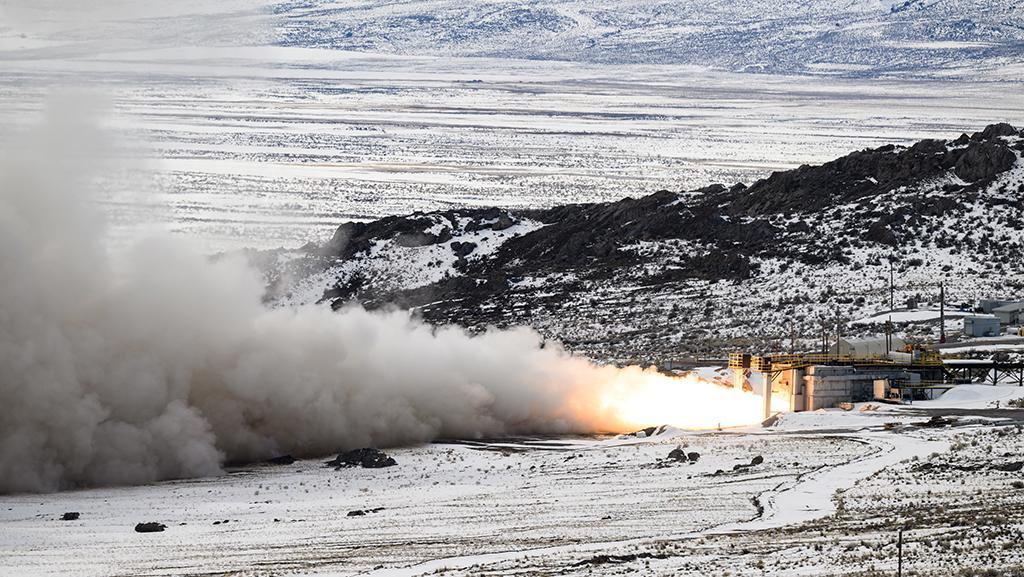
(823, 36)
(698, 272)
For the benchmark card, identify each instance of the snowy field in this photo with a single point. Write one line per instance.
(829, 494)
(281, 156)
(250, 136)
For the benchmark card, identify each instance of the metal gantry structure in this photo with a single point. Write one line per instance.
(929, 364)
(932, 372)
(986, 371)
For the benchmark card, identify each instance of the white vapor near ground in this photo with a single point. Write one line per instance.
(166, 364)
(162, 363)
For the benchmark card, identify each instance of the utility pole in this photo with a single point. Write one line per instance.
(825, 335)
(888, 335)
(942, 312)
(838, 332)
(892, 289)
(899, 549)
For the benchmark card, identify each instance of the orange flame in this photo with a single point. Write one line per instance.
(638, 398)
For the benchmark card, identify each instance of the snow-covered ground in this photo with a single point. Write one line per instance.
(244, 134)
(529, 505)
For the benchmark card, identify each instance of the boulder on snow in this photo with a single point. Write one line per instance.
(756, 460)
(70, 516)
(367, 458)
(150, 527)
(462, 249)
(678, 454)
(693, 456)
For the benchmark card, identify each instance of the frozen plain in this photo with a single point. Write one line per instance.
(277, 157)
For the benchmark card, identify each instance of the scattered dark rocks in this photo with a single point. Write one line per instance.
(282, 460)
(675, 456)
(678, 454)
(616, 559)
(150, 527)
(363, 512)
(937, 421)
(366, 458)
(648, 432)
(70, 516)
(1006, 466)
(224, 522)
(757, 460)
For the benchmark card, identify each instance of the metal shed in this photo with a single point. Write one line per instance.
(866, 347)
(979, 326)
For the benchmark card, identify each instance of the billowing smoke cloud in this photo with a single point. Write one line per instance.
(162, 363)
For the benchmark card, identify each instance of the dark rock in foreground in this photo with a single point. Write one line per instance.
(70, 516)
(366, 458)
(282, 460)
(150, 527)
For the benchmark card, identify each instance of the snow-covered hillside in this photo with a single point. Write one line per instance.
(699, 272)
(825, 36)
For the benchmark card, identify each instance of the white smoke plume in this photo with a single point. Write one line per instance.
(165, 364)
(162, 363)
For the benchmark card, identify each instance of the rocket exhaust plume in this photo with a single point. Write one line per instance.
(162, 363)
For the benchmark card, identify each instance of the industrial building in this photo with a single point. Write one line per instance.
(986, 306)
(1010, 314)
(810, 382)
(982, 326)
(867, 347)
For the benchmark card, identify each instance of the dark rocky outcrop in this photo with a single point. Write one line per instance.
(608, 258)
(150, 527)
(70, 516)
(871, 172)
